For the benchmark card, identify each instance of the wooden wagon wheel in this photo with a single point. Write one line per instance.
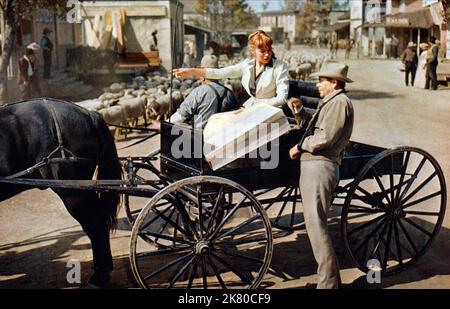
(394, 210)
(282, 206)
(213, 234)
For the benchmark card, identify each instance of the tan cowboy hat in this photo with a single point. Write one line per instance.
(412, 44)
(334, 70)
(209, 61)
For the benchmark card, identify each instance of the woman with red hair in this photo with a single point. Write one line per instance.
(263, 76)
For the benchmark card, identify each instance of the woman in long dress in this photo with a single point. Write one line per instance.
(419, 81)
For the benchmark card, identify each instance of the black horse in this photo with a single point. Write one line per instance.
(42, 128)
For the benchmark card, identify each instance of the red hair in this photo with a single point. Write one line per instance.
(259, 39)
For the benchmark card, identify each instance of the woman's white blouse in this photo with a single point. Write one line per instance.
(272, 87)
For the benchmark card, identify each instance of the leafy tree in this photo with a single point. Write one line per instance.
(311, 15)
(291, 5)
(225, 16)
(14, 11)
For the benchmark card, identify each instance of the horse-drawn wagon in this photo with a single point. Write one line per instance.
(205, 228)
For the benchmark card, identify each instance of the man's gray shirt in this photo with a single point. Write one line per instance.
(203, 102)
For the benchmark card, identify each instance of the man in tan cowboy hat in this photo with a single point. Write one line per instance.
(320, 151)
(207, 99)
(410, 60)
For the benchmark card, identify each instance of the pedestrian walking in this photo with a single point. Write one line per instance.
(410, 60)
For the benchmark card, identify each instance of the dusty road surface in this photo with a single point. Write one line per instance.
(38, 237)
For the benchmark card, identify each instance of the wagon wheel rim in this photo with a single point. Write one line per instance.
(149, 169)
(219, 248)
(283, 206)
(402, 218)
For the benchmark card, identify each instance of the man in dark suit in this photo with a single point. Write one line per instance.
(27, 75)
(46, 46)
(432, 63)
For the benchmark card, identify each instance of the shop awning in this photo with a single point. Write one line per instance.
(336, 27)
(418, 19)
(192, 29)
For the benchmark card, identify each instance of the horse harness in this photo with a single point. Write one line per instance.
(67, 156)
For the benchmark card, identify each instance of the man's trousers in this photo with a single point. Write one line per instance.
(318, 180)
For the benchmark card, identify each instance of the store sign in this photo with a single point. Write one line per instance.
(397, 22)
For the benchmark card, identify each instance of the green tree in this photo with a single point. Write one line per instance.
(312, 14)
(13, 12)
(225, 16)
(291, 5)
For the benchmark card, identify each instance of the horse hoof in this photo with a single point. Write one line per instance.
(99, 281)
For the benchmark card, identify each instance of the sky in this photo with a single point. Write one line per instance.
(256, 5)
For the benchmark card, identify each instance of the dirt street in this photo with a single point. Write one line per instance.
(38, 237)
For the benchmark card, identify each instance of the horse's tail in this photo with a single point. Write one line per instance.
(108, 168)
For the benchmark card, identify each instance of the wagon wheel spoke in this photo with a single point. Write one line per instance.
(204, 273)
(200, 210)
(170, 238)
(423, 184)
(216, 273)
(241, 241)
(236, 228)
(430, 196)
(148, 223)
(184, 216)
(411, 180)
(163, 251)
(243, 277)
(397, 244)
(380, 184)
(422, 213)
(214, 211)
(167, 220)
(362, 209)
(378, 242)
(418, 227)
(371, 234)
(227, 217)
(181, 272)
(193, 273)
(239, 255)
(175, 230)
(403, 173)
(387, 246)
(167, 266)
(391, 179)
(408, 237)
(366, 224)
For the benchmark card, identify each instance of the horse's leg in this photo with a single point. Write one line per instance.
(86, 209)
